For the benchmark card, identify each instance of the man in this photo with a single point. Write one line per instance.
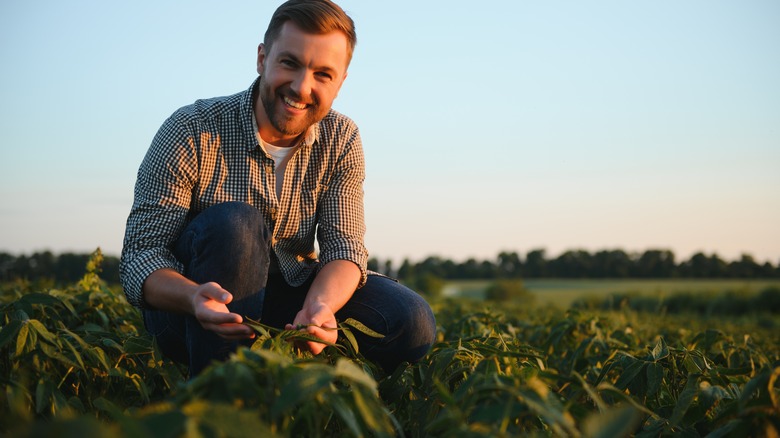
(231, 195)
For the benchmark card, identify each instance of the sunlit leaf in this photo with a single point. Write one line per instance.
(42, 331)
(346, 369)
(660, 350)
(351, 339)
(613, 423)
(359, 326)
(21, 338)
(306, 383)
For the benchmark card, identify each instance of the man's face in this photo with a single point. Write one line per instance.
(301, 75)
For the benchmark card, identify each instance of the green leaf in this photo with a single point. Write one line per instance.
(346, 369)
(685, 399)
(661, 350)
(298, 335)
(42, 331)
(635, 367)
(655, 377)
(138, 345)
(359, 326)
(21, 338)
(591, 392)
(620, 422)
(347, 414)
(371, 412)
(75, 337)
(755, 385)
(352, 341)
(108, 342)
(42, 395)
(76, 354)
(260, 328)
(9, 332)
(303, 386)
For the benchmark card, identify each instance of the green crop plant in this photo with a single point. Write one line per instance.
(77, 359)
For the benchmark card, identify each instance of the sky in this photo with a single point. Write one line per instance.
(487, 126)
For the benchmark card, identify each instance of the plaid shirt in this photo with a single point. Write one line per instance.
(207, 153)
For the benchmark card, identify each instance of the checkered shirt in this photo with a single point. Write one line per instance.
(207, 153)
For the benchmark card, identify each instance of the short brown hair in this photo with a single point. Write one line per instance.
(312, 16)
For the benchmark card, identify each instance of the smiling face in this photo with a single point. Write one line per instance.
(300, 76)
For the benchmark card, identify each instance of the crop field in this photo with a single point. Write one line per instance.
(75, 361)
(563, 292)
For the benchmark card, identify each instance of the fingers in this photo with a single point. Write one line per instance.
(232, 331)
(215, 292)
(326, 332)
(210, 304)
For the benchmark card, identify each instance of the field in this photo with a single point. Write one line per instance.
(75, 361)
(562, 292)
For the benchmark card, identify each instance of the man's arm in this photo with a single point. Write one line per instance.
(166, 289)
(149, 272)
(340, 233)
(331, 289)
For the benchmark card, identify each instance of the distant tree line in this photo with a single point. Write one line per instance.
(59, 269)
(652, 263)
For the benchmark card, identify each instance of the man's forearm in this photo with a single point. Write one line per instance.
(334, 284)
(166, 289)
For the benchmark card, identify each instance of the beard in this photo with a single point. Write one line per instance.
(275, 109)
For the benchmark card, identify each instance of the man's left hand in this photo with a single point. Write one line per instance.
(316, 319)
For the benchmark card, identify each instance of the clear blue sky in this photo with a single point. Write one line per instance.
(487, 126)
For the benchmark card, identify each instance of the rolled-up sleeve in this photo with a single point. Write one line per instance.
(341, 228)
(162, 196)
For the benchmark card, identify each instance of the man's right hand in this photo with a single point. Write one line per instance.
(209, 306)
(166, 289)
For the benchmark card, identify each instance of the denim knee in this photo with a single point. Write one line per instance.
(229, 244)
(400, 314)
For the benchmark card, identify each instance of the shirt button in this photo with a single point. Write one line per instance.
(272, 211)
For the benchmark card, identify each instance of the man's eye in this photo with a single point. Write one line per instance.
(287, 63)
(324, 76)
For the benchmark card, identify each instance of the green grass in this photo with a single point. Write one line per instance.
(562, 292)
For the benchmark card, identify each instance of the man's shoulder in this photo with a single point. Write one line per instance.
(210, 108)
(337, 123)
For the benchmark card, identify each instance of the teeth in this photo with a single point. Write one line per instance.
(294, 104)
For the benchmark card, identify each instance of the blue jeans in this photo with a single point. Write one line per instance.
(229, 244)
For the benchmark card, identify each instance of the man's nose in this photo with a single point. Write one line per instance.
(302, 85)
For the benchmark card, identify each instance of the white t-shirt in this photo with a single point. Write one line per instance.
(281, 157)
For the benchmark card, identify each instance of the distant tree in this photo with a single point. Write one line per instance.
(373, 264)
(509, 290)
(388, 268)
(655, 263)
(429, 285)
(509, 265)
(433, 265)
(611, 264)
(406, 271)
(535, 264)
(745, 267)
(7, 262)
(469, 269)
(571, 264)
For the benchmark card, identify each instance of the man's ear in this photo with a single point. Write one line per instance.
(260, 58)
(343, 78)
